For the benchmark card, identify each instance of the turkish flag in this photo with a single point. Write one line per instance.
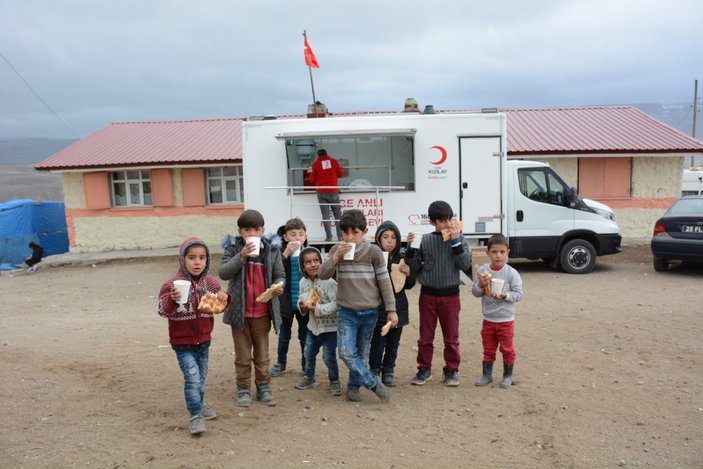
(310, 58)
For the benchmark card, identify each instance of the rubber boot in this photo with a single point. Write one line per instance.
(487, 377)
(507, 376)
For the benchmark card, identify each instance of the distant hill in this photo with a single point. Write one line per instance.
(19, 179)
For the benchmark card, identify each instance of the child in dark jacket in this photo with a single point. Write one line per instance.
(252, 265)
(294, 236)
(190, 330)
(384, 349)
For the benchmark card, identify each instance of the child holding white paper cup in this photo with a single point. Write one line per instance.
(190, 329)
(294, 237)
(498, 308)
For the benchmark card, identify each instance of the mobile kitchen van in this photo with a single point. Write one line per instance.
(395, 165)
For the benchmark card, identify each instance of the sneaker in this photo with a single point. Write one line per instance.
(243, 397)
(328, 239)
(422, 376)
(208, 413)
(389, 378)
(196, 425)
(451, 378)
(277, 370)
(381, 391)
(306, 382)
(335, 388)
(264, 394)
(353, 394)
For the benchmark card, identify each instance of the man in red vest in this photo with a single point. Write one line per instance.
(326, 171)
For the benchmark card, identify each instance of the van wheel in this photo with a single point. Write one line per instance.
(577, 256)
(660, 264)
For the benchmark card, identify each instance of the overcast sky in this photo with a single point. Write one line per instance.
(99, 61)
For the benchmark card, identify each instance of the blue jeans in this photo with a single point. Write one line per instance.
(284, 336)
(328, 342)
(354, 331)
(193, 364)
(384, 349)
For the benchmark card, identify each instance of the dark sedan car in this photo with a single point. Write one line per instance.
(678, 234)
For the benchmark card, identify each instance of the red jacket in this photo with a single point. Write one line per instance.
(190, 327)
(326, 171)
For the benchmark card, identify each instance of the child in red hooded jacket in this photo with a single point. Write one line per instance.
(189, 329)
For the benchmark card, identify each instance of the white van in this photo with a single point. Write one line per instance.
(396, 165)
(692, 181)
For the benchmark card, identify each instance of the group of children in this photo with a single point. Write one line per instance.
(342, 303)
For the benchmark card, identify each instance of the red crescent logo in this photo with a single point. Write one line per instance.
(444, 155)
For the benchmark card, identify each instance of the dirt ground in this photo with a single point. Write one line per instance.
(609, 374)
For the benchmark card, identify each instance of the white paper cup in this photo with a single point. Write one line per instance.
(349, 255)
(416, 241)
(385, 257)
(497, 285)
(296, 253)
(183, 287)
(257, 242)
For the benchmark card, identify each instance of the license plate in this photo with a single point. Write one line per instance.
(692, 229)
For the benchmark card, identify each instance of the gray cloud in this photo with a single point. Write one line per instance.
(99, 62)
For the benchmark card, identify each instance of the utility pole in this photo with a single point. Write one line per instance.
(695, 112)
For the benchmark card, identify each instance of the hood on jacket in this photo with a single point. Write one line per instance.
(303, 251)
(193, 241)
(385, 226)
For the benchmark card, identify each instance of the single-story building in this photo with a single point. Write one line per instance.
(145, 185)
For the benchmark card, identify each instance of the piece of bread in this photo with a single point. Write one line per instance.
(397, 277)
(268, 293)
(209, 303)
(447, 235)
(486, 289)
(386, 328)
(313, 298)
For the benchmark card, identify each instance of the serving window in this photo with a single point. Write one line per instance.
(367, 160)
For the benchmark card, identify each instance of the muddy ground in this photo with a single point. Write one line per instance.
(609, 374)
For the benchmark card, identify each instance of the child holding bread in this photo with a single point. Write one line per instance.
(190, 328)
(498, 306)
(438, 263)
(384, 346)
(256, 278)
(318, 302)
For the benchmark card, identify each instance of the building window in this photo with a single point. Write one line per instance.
(605, 177)
(224, 185)
(130, 188)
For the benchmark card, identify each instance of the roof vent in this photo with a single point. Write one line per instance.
(429, 109)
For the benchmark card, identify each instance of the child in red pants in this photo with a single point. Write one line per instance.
(498, 306)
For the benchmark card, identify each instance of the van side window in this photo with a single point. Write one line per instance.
(542, 185)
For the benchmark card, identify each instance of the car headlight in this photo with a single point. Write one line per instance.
(604, 213)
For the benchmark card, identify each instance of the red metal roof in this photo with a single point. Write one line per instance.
(612, 129)
(167, 143)
(587, 130)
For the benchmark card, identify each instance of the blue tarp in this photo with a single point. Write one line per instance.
(25, 220)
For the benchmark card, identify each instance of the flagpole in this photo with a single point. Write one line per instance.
(312, 83)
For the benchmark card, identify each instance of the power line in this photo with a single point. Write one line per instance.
(39, 97)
